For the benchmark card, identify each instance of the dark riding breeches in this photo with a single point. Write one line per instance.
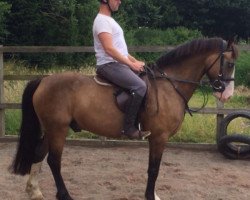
(123, 76)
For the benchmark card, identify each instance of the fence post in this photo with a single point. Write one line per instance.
(2, 121)
(219, 118)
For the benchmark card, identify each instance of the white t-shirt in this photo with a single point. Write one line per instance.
(103, 23)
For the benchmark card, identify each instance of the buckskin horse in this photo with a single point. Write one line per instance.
(50, 104)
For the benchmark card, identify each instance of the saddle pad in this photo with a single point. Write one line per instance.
(101, 81)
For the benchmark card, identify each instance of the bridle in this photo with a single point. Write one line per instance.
(218, 84)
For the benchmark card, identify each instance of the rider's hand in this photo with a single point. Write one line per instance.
(137, 66)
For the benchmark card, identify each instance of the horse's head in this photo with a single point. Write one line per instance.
(220, 70)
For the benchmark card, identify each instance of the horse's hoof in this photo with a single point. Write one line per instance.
(156, 197)
(34, 192)
(37, 197)
(64, 196)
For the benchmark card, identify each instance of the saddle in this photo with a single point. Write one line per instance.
(122, 96)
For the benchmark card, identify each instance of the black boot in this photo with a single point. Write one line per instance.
(130, 117)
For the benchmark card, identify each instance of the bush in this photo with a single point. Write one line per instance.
(242, 74)
(4, 9)
(147, 37)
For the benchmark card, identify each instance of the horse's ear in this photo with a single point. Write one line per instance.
(231, 46)
(231, 41)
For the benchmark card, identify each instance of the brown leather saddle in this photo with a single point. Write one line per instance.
(122, 96)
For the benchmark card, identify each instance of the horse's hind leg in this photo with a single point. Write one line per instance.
(56, 144)
(32, 187)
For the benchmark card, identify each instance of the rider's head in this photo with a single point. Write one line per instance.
(113, 5)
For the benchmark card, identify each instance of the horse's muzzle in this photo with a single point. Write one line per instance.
(225, 94)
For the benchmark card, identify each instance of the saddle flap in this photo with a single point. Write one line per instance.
(122, 97)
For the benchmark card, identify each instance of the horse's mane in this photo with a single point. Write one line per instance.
(197, 46)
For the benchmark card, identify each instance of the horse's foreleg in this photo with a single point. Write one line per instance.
(56, 144)
(156, 148)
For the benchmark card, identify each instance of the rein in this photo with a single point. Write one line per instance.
(163, 75)
(218, 84)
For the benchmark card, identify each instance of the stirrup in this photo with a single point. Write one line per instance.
(145, 135)
(137, 135)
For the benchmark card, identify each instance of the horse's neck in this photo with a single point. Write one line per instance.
(190, 70)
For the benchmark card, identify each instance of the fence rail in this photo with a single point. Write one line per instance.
(87, 49)
(220, 111)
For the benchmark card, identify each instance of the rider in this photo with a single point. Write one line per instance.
(117, 65)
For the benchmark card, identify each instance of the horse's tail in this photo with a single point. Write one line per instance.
(30, 132)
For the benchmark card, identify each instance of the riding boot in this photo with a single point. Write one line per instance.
(130, 118)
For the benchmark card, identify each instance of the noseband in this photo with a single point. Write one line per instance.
(218, 84)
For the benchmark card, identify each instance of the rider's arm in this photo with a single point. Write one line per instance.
(133, 59)
(106, 40)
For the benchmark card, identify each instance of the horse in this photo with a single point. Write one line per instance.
(51, 104)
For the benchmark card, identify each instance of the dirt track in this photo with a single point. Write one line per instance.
(120, 174)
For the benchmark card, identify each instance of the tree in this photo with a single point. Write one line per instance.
(230, 18)
(147, 13)
(223, 18)
(24, 22)
(4, 10)
(44, 22)
(86, 11)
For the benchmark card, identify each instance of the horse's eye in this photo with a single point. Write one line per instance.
(231, 65)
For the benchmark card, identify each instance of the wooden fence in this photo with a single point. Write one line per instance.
(220, 111)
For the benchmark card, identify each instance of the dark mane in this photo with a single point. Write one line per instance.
(197, 46)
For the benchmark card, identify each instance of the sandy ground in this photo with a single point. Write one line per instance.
(120, 174)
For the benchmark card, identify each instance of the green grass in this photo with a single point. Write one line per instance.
(12, 121)
(242, 75)
(197, 129)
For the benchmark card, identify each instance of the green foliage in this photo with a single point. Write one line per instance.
(147, 13)
(70, 21)
(216, 18)
(62, 23)
(242, 75)
(4, 10)
(147, 36)
(12, 121)
(197, 129)
(170, 36)
(145, 22)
